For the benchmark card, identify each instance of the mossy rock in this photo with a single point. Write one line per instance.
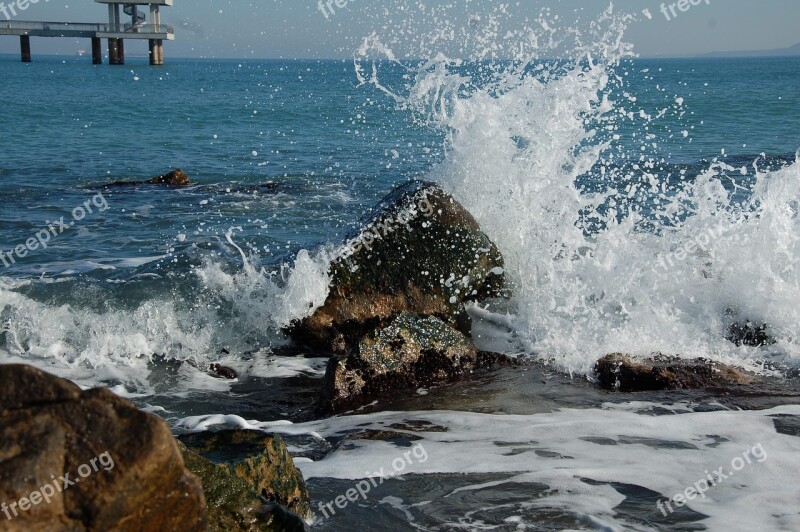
(409, 351)
(233, 505)
(419, 252)
(261, 460)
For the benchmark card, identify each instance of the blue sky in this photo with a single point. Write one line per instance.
(298, 29)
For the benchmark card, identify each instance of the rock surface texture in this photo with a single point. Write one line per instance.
(88, 460)
(621, 373)
(420, 252)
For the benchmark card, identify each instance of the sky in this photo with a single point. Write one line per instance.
(290, 29)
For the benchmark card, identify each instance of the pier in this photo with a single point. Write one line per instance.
(125, 21)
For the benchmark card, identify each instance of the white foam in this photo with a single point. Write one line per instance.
(616, 444)
(92, 346)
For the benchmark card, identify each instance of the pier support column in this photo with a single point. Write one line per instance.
(116, 52)
(97, 51)
(25, 48)
(156, 52)
(113, 52)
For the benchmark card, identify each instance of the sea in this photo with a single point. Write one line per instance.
(642, 206)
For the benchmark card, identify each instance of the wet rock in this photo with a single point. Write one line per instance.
(223, 372)
(742, 331)
(261, 460)
(408, 352)
(621, 373)
(750, 334)
(175, 178)
(233, 505)
(127, 470)
(420, 252)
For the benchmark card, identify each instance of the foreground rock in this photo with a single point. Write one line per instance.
(234, 503)
(408, 352)
(621, 373)
(175, 178)
(261, 460)
(422, 253)
(88, 460)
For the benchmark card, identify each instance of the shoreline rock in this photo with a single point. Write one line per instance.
(619, 372)
(407, 352)
(125, 471)
(261, 460)
(233, 502)
(50, 428)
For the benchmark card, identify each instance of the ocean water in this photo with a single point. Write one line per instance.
(642, 206)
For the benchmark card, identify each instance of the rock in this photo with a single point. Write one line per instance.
(127, 470)
(233, 505)
(750, 334)
(420, 252)
(742, 331)
(620, 373)
(408, 352)
(261, 460)
(175, 178)
(223, 372)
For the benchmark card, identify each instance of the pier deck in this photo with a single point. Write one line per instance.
(115, 31)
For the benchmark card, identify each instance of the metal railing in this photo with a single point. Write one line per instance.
(148, 28)
(21, 25)
(48, 26)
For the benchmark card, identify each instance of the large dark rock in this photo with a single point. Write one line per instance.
(261, 460)
(420, 252)
(408, 352)
(127, 470)
(621, 373)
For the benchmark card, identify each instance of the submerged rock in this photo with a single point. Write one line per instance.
(620, 373)
(408, 352)
(261, 460)
(88, 460)
(421, 252)
(175, 178)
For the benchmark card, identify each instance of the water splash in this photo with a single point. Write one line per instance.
(609, 246)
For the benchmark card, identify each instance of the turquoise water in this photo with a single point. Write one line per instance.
(331, 147)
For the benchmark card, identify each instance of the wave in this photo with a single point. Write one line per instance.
(608, 247)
